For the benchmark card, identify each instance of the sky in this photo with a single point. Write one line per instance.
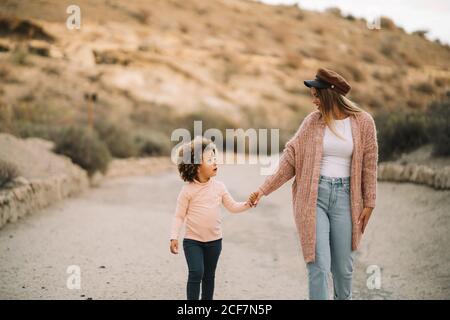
(412, 15)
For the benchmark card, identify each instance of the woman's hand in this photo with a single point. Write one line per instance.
(174, 246)
(364, 218)
(254, 198)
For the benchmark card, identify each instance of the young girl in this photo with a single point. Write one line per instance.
(198, 204)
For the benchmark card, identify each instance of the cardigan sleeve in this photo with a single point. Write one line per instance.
(286, 167)
(284, 172)
(370, 164)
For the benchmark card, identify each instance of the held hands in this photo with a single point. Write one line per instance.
(254, 197)
(174, 246)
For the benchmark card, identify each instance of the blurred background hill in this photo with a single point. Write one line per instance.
(148, 67)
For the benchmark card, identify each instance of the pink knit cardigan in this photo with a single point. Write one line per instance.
(301, 158)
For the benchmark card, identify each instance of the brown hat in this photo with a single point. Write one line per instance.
(326, 78)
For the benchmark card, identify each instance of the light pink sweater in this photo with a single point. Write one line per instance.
(199, 204)
(302, 157)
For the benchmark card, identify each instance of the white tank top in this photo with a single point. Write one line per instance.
(337, 153)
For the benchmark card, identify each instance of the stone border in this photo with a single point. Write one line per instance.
(415, 173)
(27, 196)
(36, 194)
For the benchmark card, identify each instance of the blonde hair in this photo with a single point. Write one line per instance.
(329, 98)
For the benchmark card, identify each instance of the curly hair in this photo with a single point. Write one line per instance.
(188, 164)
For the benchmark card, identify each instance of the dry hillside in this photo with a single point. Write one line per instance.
(156, 65)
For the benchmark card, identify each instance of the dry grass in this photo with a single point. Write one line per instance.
(230, 51)
(292, 61)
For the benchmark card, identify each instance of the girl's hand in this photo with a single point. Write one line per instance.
(364, 218)
(174, 246)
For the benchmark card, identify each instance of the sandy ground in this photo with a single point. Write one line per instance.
(118, 235)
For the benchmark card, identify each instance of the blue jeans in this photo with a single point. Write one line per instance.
(202, 258)
(333, 241)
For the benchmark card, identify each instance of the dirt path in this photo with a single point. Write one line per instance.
(117, 235)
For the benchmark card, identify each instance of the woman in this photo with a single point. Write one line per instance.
(333, 157)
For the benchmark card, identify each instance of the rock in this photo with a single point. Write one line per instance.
(21, 181)
(390, 171)
(41, 143)
(45, 179)
(423, 175)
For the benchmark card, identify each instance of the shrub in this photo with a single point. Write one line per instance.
(25, 129)
(441, 81)
(439, 128)
(84, 147)
(8, 172)
(369, 57)
(119, 141)
(400, 131)
(388, 49)
(350, 17)
(48, 113)
(424, 87)
(152, 143)
(376, 102)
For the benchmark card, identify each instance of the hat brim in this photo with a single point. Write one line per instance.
(316, 83)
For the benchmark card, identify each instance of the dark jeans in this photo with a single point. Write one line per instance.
(202, 260)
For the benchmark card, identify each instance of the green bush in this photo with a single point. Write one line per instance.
(119, 141)
(400, 131)
(439, 128)
(84, 147)
(26, 129)
(152, 143)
